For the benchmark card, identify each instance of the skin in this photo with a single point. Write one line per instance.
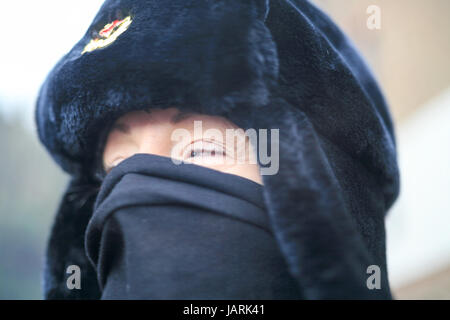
(152, 132)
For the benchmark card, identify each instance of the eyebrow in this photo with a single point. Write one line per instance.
(178, 117)
(181, 115)
(122, 127)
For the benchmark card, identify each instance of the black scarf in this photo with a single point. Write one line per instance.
(166, 231)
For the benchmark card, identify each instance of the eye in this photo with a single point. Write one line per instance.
(201, 149)
(203, 152)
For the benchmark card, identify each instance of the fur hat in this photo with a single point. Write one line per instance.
(263, 64)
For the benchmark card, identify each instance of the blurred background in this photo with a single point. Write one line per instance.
(409, 55)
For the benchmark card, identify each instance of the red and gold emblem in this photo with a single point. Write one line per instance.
(108, 34)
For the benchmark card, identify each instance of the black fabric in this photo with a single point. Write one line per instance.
(263, 64)
(166, 231)
(66, 243)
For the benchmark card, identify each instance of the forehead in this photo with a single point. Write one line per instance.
(171, 116)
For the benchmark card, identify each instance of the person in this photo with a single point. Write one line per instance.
(155, 210)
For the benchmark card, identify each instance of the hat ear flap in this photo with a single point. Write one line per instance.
(323, 75)
(311, 221)
(66, 244)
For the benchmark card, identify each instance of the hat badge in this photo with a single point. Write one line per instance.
(108, 34)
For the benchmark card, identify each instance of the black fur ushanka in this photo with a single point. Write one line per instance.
(263, 64)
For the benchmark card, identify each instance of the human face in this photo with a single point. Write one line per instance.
(152, 132)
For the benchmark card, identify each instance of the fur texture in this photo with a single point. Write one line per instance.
(263, 64)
